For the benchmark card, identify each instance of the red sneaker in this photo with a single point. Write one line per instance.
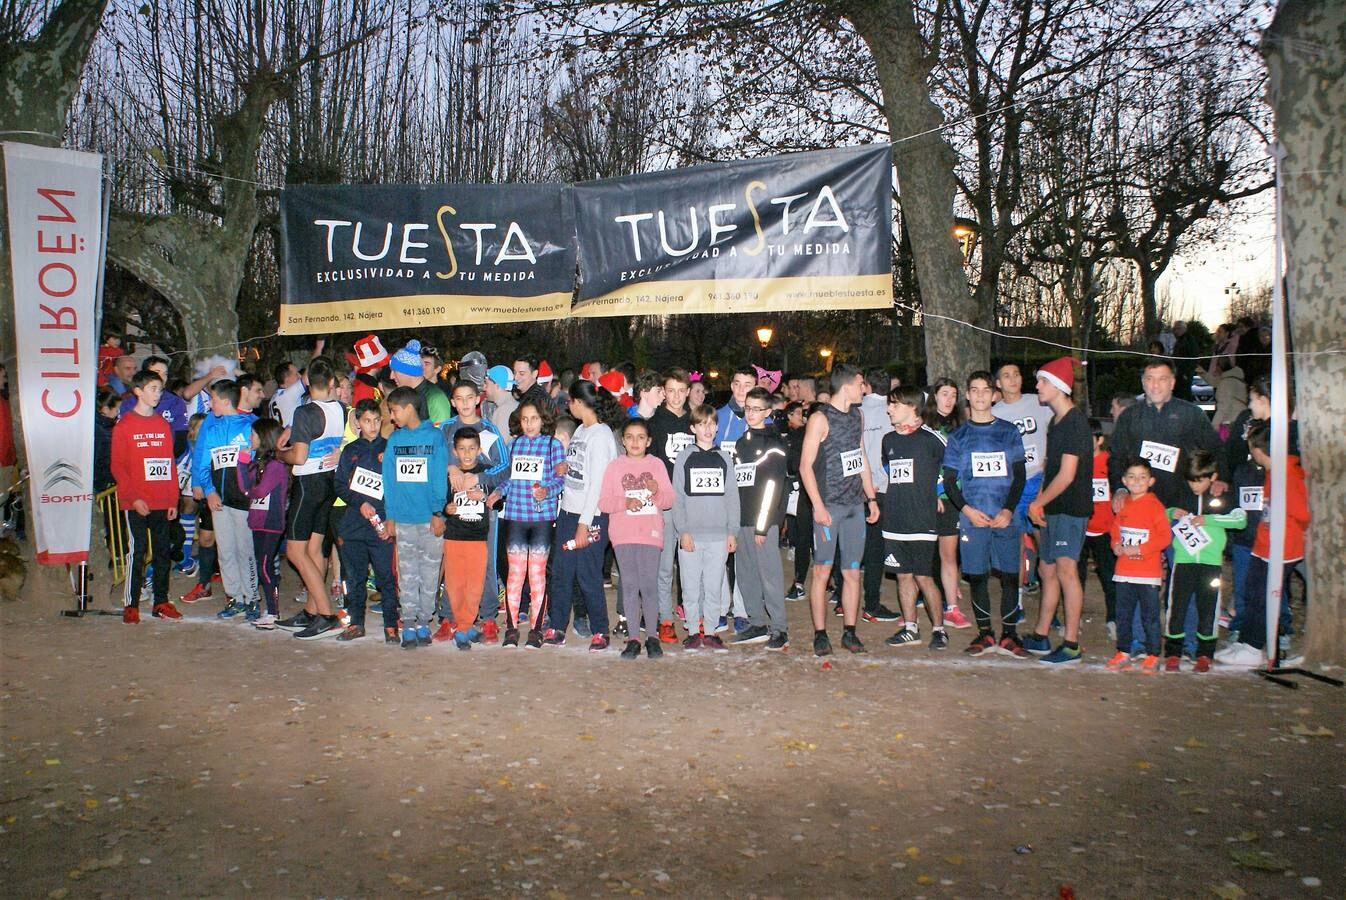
(1172, 664)
(490, 632)
(445, 632)
(165, 611)
(666, 633)
(1202, 664)
(198, 592)
(214, 578)
(131, 615)
(954, 618)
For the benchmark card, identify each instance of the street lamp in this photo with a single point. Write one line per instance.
(764, 335)
(826, 354)
(965, 232)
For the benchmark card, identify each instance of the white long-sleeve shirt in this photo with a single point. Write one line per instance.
(587, 458)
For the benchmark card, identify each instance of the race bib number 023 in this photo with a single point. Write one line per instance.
(526, 468)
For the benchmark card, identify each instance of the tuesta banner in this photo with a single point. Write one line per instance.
(369, 257)
(802, 231)
(55, 238)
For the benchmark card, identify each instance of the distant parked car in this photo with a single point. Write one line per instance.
(1201, 391)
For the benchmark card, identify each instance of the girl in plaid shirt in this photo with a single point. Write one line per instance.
(536, 475)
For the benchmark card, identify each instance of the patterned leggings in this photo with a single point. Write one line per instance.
(527, 545)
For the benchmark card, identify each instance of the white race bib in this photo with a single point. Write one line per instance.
(1102, 493)
(1250, 498)
(262, 502)
(526, 468)
(224, 457)
(792, 503)
(1191, 535)
(1134, 537)
(852, 462)
(990, 465)
(646, 499)
(676, 443)
(728, 446)
(901, 471)
(159, 469)
(1161, 456)
(706, 481)
(745, 474)
(469, 510)
(1030, 454)
(413, 469)
(369, 483)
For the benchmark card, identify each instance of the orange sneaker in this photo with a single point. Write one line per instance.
(445, 632)
(954, 618)
(666, 633)
(1202, 664)
(490, 632)
(1172, 664)
(1120, 662)
(131, 615)
(198, 592)
(1150, 665)
(165, 611)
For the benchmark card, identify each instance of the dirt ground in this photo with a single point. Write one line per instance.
(204, 758)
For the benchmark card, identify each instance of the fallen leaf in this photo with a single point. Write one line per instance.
(1260, 860)
(1142, 764)
(1194, 744)
(1228, 891)
(52, 762)
(1300, 729)
(913, 852)
(797, 744)
(954, 860)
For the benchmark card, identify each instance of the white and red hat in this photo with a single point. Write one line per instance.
(369, 354)
(544, 373)
(614, 382)
(1060, 374)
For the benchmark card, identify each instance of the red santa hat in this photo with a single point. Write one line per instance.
(369, 354)
(1060, 374)
(544, 373)
(613, 381)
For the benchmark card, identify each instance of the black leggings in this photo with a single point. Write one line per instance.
(1011, 614)
(1187, 580)
(1098, 545)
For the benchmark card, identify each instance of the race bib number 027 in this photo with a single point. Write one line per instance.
(413, 469)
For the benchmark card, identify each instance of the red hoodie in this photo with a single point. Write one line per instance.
(1143, 523)
(1101, 520)
(1296, 513)
(142, 461)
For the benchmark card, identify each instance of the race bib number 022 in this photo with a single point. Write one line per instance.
(369, 483)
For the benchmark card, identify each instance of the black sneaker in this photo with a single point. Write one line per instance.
(352, 632)
(297, 622)
(621, 628)
(632, 650)
(754, 634)
(939, 640)
(390, 635)
(852, 643)
(882, 613)
(821, 645)
(534, 641)
(321, 627)
(904, 637)
(796, 593)
(511, 640)
(653, 648)
(779, 641)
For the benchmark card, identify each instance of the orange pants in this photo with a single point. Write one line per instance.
(464, 575)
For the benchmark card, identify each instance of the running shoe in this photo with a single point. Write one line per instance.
(1039, 645)
(351, 633)
(553, 638)
(741, 624)
(423, 635)
(409, 641)
(131, 615)
(631, 650)
(1172, 664)
(534, 641)
(265, 622)
(822, 646)
(713, 642)
(722, 625)
(322, 627)
(1120, 662)
(653, 648)
(252, 613)
(598, 643)
(666, 633)
(621, 628)
(904, 637)
(1063, 655)
(188, 567)
(1150, 665)
(1225, 618)
(301, 598)
(511, 640)
(954, 618)
(693, 642)
(850, 641)
(681, 614)
(1240, 654)
(753, 634)
(939, 640)
(462, 641)
(198, 592)
(838, 610)
(1010, 645)
(982, 644)
(231, 609)
(490, 632)
(1202, 664)
(1112, 632)
(165, 611)
(444, 632)
(780, 641)
(796, 593)
(582, 627)
(882, 613)
(389, 635)
(297, 622)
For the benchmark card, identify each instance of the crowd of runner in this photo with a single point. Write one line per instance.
(497, 507)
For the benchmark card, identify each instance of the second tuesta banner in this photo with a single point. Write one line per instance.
(802, 231)
(370, 257)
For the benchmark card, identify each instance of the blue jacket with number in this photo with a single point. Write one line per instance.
(358, 454)
(415, 474)
(216, 432)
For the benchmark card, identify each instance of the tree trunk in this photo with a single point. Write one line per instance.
(1305, 48)
(1149, 306)
(925, 177)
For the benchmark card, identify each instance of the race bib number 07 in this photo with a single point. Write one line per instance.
(413, 469)
(990, 465)
(1250, 498)
(1161, 456)
(159, 469)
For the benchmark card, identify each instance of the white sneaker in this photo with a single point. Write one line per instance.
(1112, 632)
(265, 622)
(301, 598)
(1241, 655)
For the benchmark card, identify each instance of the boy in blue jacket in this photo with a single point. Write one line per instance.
(223, 434)
(415, 489)
(363, 543)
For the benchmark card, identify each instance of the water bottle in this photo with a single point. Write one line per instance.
(378, 525)
(594, 532)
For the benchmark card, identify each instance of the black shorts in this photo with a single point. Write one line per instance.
(205, 521)
(912, 557)
(311, 499)
(946, 523)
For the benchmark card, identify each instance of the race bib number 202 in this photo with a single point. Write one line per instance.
(160, 469)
